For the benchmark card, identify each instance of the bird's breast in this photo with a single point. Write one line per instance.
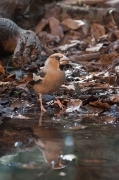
(51, 83)
(55, 79)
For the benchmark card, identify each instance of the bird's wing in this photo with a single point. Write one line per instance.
(38, 79)
(42, 73)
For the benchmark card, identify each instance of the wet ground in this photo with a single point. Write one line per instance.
(58, 148)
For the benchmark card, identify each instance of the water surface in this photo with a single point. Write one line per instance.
(31, 151)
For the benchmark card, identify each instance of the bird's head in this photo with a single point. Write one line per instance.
(55, 60)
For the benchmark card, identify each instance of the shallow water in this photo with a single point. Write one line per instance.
(31, 151)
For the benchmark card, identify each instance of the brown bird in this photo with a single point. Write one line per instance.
(52, 76)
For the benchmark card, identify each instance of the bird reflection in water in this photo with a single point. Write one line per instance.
(47, 138)
(50, 142)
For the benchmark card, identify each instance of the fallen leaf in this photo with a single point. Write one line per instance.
(55, 27)
(91, 109)
(27, 78)
(114, 35)
(107, 79)
(96, 48)
(41, 25)
(97, 30)
(52, 37)
(73, 24)
(70, 87)
(108, 59)
(86, 27)
(73, 105)
(114, 98)
(16, 104)
(109, 119)
(100, 104)
(2, 69)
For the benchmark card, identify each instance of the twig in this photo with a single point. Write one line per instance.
(98, 88)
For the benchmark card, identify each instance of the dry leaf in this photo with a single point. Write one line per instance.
(55, 27)
(108, 58)
(41, 25)
(109, 119)
(114, 35)
(27, 78)
(73, 105)
(96, 48)
(114, 98)
(107, 79)
(92, 110)
(86, 27)
(2, 69)
(16, 104)
(70, 87)
(100, 104)
(97, 30)
(73, 24)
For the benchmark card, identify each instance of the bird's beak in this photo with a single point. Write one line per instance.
(64, 60)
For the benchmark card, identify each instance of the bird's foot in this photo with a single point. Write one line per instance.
(57, 101)
(43, 110)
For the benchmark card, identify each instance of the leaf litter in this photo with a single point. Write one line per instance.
(92, 78)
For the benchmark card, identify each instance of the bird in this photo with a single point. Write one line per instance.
(51, 76)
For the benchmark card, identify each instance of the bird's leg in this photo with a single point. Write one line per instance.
(40, 120)
(41, 105)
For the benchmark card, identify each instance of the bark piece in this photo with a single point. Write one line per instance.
(62, 11)
(24, 44)
(86, 57)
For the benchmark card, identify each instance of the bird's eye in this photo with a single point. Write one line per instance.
(57, 58)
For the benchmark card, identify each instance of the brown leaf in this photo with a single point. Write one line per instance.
(16, 104)
(55, 27)
(7, 79)
(100, 104)
(2, 69)
(114, 35)
(109, 119)
(97, 30)
(91, 109)
(70, 87)
(73, 24)
(41, 25)
(110, 79)
(108, 58)
(27, 78)
(95, 48)
(73, 105)
(86, 27)
(114, 98)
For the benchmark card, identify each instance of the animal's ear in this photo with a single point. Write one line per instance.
(57, 58)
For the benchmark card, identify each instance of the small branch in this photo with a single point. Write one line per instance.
(86, 57)
(98, 88)
(91, 2)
